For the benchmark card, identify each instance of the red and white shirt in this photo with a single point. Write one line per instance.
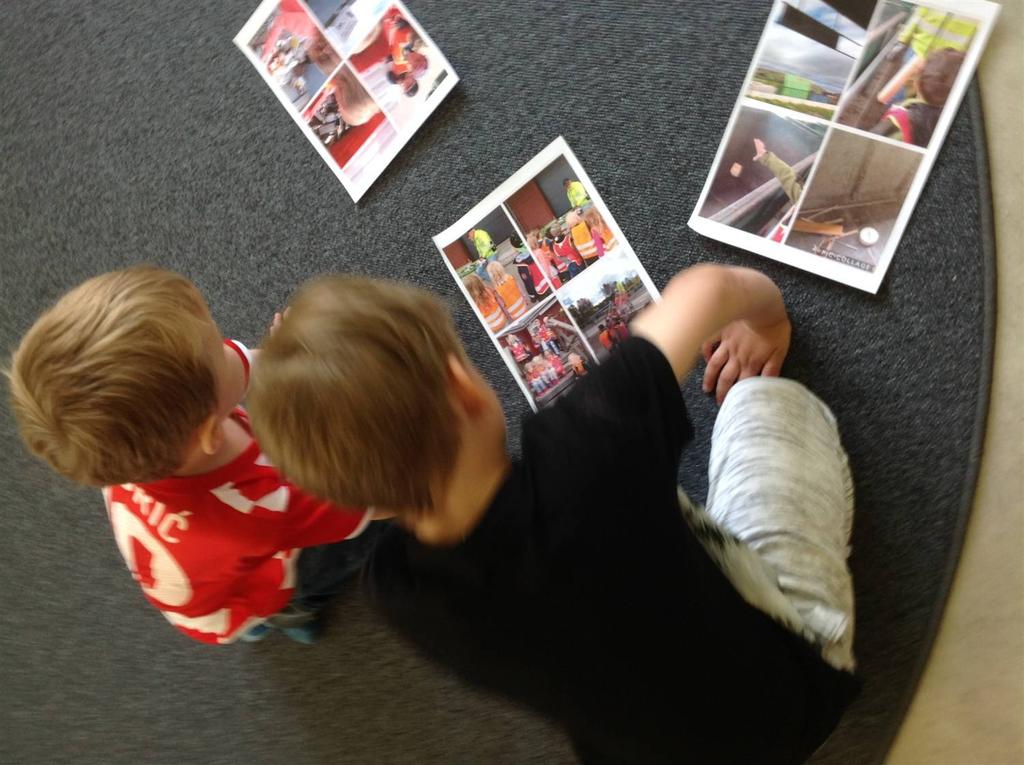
(216, 552)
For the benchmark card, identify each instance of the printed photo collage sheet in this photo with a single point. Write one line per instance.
(548, 273)
(359, 77)
(842, 114)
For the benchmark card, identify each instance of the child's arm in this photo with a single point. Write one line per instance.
(238, 363)
(740, 309)
(309, 521)
(781, 170)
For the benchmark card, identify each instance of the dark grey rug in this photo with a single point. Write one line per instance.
(136, 132)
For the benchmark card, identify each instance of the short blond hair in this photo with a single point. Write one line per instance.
(497, 272)
(350, 399)
(111, 383)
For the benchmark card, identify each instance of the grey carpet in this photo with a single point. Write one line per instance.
(136, 132)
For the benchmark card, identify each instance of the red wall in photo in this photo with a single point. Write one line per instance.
(457, 254)
(530, 207)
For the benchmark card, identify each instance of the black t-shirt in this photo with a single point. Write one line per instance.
(583, 594)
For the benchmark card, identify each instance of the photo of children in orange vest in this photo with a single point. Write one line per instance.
(600, 229)
(559, 213)
(504, 277)
(512, 298)
(543, 270)
(583, 238)
(487, 302)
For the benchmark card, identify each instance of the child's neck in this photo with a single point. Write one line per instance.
(481, 467)
(234, 440)
(472, 490)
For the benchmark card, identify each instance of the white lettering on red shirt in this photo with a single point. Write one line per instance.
(216, 552)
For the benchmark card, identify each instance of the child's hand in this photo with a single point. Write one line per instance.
(743, 351)
(759, 149)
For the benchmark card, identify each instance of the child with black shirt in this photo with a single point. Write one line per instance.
(650, 629)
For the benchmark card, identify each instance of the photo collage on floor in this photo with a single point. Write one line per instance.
(358, 76)
(845, 107)
(548, 273)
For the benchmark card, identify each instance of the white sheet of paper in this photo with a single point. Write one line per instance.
(583, 310)
(811, 96)
(365, 66)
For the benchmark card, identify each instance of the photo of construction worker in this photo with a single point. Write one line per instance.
(548, 355)
(498, 274)
(761, 175)
(294, 52)
(350, 124)
(604, 300)
(548, 273)
(809, 49)
(914, 57)
(850, 208)
(564, 230)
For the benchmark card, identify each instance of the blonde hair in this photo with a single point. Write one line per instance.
(351, 399)
(593, 219)
(111, 383)
(476, 287)
(498, 273)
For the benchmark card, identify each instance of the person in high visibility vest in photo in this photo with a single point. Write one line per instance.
(508, 290)
(482, 241)
(487, 301)
(600, 230)
(582, 238)
(927, 31)
(576, 193)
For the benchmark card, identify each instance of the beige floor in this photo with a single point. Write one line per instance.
(969, 708)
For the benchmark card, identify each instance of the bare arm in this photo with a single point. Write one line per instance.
(738, 308)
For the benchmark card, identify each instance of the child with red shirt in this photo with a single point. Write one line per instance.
(565, 250)
(556, 364)
(126, 384)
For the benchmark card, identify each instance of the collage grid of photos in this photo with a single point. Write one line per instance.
(359, 77)
(548, 273)
(837, 127)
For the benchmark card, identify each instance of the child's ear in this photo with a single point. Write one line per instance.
(465, 385)
(211, 435)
